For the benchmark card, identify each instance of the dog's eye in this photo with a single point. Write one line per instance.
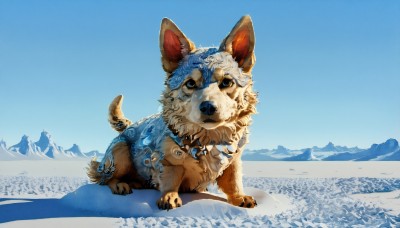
(227, 82)
(190, 84)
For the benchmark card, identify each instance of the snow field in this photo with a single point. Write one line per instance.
(289, 195)
(313, 202)
(38, 187)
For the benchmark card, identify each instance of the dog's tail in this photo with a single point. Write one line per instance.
(92, 173)
(115, 115)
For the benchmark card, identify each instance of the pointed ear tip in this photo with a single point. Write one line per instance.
(165, 20)
(246, 17)
(247, 20)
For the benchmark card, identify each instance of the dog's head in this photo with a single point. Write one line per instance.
(208, 90)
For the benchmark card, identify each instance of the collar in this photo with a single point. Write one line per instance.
(195, 149)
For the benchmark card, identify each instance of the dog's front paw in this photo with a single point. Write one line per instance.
(120, 188)
(242, 201)
(169, 200)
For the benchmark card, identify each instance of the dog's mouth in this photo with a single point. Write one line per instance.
(209, 121)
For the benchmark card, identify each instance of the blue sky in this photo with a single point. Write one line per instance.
(325, 71)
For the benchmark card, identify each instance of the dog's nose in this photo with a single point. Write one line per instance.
(207, 108)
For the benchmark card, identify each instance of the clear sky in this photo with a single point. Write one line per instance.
(325, 71)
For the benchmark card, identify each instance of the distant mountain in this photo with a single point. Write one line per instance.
(387, 151)
(281, 150)
(75, 151)
(5, 154)
(44, 148)
(3, 145)
(307, 155)
(330, 147)
(375, 152)
(342, 157)
(379, 152)
(395, 156)
(27, 148)
(48, 147)
(94, 153)
(258, 155)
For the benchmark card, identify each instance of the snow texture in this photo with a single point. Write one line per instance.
(283, 202)
(142, 203)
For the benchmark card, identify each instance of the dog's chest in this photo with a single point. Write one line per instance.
(200, 168)
(147, 139)
(202, 164)
(199, 173)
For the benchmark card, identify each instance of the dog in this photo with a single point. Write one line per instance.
(199, 136)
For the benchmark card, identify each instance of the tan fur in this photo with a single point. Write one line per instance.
(92, 173)
(175, 112)
(193, 173)
(169, 200)
(115, 115)
(125, 176)
(231, 184)
(235, 106)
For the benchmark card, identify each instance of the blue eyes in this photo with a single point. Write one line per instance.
(190, 84)
(226, 83)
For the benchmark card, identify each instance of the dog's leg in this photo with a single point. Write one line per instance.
(125, 176)
(170, 182)
(230, 182)
(123, 168)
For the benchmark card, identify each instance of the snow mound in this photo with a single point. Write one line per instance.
(142, 203)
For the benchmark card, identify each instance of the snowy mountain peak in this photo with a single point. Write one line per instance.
(47, 146)
(24, 138)
(307, 155)
(75, 150)
(392, 144)
(94, 153)
(3, 144)
(25, 146)
(381, 151)
(389, 146)
(45, 133)
(44, 148)
(282, 150)
(329, 147)
(44, 140)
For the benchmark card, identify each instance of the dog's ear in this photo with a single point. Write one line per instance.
(240, 43)
(174, 45)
